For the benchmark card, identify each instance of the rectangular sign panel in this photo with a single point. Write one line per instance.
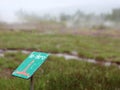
(28, 67)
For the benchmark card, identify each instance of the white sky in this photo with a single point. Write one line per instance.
(8, 8)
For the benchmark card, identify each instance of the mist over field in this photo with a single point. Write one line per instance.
(61, 14)
(8, 9)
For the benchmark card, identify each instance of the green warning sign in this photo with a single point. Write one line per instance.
(28, 67)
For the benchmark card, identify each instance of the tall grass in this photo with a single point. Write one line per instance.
(57, 73)
(97, 47)
(60, 74)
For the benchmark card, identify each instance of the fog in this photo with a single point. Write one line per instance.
(8, 8)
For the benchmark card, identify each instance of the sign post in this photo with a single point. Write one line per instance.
(32, 83)
(28, 67)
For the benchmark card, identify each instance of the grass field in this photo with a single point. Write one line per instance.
(57, 73)
(97, 47)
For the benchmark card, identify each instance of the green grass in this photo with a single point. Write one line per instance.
(57, 73)
(96, 47)
(60, 74)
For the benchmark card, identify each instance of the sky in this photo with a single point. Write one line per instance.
(9, 8)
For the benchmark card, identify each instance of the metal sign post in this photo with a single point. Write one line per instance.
(32, 83)
(28, 67)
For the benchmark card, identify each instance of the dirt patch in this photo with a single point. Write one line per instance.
(6, 72)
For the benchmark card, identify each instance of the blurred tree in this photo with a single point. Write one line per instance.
(64, 17)
(114, 16)
(34, 18)
(27, 17)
